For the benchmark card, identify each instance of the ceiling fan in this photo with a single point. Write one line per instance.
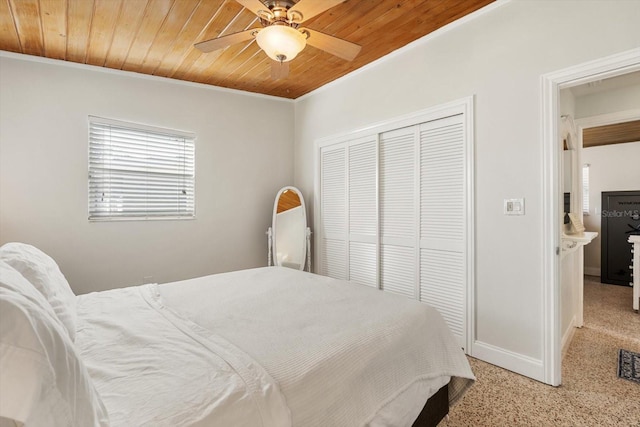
(282, 37)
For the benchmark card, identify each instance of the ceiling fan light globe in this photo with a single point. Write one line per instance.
(280, 42)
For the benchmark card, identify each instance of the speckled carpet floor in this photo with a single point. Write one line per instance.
(591, 394)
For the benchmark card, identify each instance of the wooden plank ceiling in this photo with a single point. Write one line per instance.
(156, 37)
(618, 133)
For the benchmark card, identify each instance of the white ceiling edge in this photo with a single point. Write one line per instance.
(60, 62)
(419, 42)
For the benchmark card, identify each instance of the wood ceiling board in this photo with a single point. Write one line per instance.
(225, 23)
(79, 17)
(103, 26)
(231, 58)
(54, 28)
(193, 30)
(227, 60)
(245, 20)
(167, 34)
(248, 55)
(618, 133)
(154, 16)
(213, 29)
(26, 14)
(10, 40)
(129, 22)
(311, 8)
(156, 37)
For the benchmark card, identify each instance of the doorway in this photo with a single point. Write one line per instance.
(606, 149)
(553, 196)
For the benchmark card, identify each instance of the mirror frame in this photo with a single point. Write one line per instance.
(276, 261)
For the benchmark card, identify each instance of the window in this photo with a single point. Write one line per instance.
(585, 189)
(139, 172)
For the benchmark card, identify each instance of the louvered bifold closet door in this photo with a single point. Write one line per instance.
(443, 219)
(333, 213)
(397, 211)
(363, 211)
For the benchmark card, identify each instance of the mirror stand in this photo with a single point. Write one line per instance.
(289, 238)
(308, 235)
(269, 234)
(269, 245)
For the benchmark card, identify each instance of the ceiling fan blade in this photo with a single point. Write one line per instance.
(333, 45)
(257, 7)
(279, 70)
(307, 9)
(224, 41)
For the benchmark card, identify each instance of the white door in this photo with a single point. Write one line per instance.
(396, 212)
(443, 219)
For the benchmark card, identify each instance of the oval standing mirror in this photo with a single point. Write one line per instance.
(290, 232)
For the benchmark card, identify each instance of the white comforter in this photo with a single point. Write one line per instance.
(269, 346)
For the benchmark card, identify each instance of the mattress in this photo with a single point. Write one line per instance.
(268, 346)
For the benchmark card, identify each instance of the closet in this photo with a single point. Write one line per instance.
(395, 209)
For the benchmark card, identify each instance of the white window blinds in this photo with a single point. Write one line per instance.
(139, 172)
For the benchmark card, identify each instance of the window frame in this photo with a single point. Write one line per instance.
(190, 140)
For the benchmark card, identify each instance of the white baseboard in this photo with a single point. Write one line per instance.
(509, 360)
(568, 336)
(592, 271)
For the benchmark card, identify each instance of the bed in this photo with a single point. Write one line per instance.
(261, 347)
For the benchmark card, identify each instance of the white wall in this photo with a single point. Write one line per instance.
(240, 165)
(611, 101)
(613, 168)
(499, 57)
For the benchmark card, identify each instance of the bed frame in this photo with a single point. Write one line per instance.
(436, 408)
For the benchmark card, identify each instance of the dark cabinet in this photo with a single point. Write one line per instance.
(620, 219)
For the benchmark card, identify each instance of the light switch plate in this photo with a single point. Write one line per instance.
(514, 206)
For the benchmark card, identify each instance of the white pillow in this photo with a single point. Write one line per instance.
(43, 381)
(45, 275)
(12, 280)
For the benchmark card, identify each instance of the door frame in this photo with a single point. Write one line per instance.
(552, 203)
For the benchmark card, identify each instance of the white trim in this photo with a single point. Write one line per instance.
(592, 271)
(316, 220)
(551, 84)
(607, 119)
(470, 235)
(87, 67)
(568, 336)
(140, 126)
(414, 44)
(579, 315)
(416, 214)
(518, 363)
(378, 237)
